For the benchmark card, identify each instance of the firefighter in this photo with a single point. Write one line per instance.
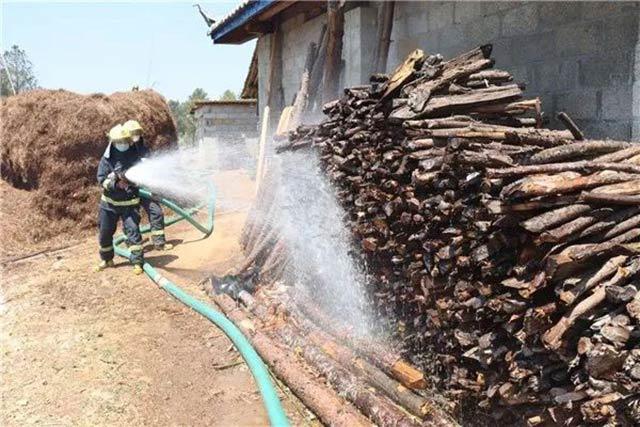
(119, 199)
(151, 207)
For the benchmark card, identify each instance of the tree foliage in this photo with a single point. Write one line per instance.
(228, 95)
(185, 122)
(16, 72)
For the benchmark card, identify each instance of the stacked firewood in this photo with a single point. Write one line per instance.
(509, 254)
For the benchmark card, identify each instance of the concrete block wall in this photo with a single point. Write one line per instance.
(579, 57)
(358, 44)
(298, 33)
(227, 121)
(226, 133)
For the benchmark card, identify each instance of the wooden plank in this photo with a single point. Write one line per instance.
(403, 73)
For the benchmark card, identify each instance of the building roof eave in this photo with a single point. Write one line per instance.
(231, 29)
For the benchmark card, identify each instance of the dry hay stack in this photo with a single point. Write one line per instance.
(52, 141)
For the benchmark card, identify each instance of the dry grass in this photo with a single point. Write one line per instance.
(51, 144)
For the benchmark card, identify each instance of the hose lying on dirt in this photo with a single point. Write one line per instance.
(277, 416)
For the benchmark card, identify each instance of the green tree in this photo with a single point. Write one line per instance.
(228, 95)
(185, 122)
(16, 72)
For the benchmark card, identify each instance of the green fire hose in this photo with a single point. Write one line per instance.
(277, 416)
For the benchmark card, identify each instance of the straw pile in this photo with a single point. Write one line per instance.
(52, 142)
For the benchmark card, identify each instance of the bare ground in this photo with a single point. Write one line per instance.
(110, 348)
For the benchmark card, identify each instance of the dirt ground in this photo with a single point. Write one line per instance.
(110, 348)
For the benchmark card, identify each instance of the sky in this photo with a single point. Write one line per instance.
(89, 47)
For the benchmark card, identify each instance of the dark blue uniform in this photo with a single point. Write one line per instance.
(117, 203)
(151, 207)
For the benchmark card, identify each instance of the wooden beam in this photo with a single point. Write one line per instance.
(335, 28)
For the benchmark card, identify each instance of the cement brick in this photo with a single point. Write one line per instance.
(400, 27)
(552, 14)
(580, 39)
(553, 75)
(499, 6)
(418, 22)
(411, 8)
(620, 34)
(601, 129)
(635, 105)
(467, 11)
(482, 31)
(610, 71)
(440, 15)
(534, 47)
(520, 20)
(579, 104)
(453, 36)
(606, 9)
(635, 129)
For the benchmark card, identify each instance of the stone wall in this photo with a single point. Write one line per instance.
(579, 57)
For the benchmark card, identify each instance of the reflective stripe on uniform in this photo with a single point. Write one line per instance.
(135, 248)
(106, 248)
(106, 183)
(131, 202)
(157, 233)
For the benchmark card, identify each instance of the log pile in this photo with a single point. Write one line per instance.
(509, 254)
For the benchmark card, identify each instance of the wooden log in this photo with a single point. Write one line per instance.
(417, 405)
(480, 52)
(498, 207)
(619, 155)
(440, 105)
(615, 199)
(420, 95)
(629, 188)
(445, 122)
(403, 73)
(264, 134)
(335, 30)
(383, 357)
(553, 337)
(562, 183)
(578, 149)
(377, 408)
(317, 72)
(582, 166)
(619, 228)
(330, 409)
(571, 125)
(274, 90)
(607, 270)
(574, 257)
(565, 231)
(500, 133)
(493, 75)
(302, 96)
(555, 217)
(606, 224)
(508, 108)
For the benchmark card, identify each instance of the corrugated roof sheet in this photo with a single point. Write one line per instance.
(230, 15)
(241, 14)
